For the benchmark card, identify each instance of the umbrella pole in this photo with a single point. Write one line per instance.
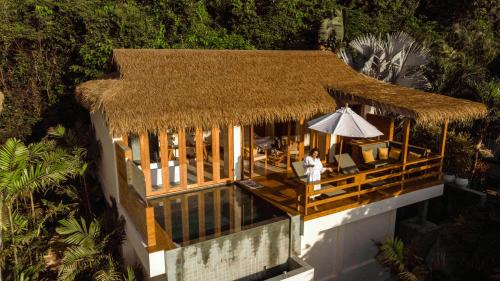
(340, 152)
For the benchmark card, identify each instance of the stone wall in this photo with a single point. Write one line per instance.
(244, 255)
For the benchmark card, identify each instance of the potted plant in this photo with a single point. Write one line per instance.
(464, 159)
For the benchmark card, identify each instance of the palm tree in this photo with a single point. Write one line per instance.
(26, 169)
(89, 251)
(403, 264)
(396, 59)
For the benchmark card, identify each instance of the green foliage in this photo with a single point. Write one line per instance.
(401, 260)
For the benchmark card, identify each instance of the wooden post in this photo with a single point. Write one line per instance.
(313, 139)
(404, 156)
(165, 177)
(182, 158)
(406, 137)
(125, 139)
(216, 153)
(242, 130)
(288, 145)
(200, 177)
(145, 162)
(230, 152)
(251, 151)
(327, 147)
(443, 143)
(302, 130)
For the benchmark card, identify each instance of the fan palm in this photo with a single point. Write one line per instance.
(25, 169)
(396, 59)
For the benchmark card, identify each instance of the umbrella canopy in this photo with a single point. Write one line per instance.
(344, 122)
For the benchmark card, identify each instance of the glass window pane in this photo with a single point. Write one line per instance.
(207, 155)
(224, 153)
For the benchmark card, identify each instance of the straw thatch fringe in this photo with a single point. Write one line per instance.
(160, 89)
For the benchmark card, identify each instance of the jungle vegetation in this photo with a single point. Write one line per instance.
(49, 223)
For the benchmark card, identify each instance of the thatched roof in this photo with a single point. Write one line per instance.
(425, 108)
(159, 89)
(1, 101)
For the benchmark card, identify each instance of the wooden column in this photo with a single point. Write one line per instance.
(251, 162)
(182, 158)
(302, 132)
(216, 154)
(442, 148)
(406, 137)
(242, 130)
(230, 151)
(145, 162)
(288, 145)
(165, 177)
(313, 139)
(404, 156)
(125, 139)
(327, 146)
(199, 156)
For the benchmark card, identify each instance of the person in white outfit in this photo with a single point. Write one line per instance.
(314, 168)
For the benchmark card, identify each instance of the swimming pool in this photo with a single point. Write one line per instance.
(206, 214)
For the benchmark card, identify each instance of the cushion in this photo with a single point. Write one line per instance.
(368, 156)
(383, 153)
(413, 156)
(394, 153)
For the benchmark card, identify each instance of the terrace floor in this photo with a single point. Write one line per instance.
(282, 190)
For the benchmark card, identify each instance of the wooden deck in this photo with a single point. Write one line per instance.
(283, 191)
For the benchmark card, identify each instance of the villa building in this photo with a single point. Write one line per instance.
(202, 150)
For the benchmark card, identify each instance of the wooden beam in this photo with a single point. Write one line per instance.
(288, 145)
(199, 156)
(145, 162)
(165, 177)
(216, 153)
(302, 132)
(230, 152)
(313, 139)
(182, 158)
(251, 162)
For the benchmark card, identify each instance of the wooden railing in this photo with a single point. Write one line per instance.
(368, 181)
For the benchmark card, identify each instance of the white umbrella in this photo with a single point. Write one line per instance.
(345, 123)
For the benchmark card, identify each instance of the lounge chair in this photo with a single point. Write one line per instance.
(298, 169)
(346, 164)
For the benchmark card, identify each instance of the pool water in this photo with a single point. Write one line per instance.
(205, 214)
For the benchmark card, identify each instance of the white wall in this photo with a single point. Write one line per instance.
(340, 246)
(107, 163)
